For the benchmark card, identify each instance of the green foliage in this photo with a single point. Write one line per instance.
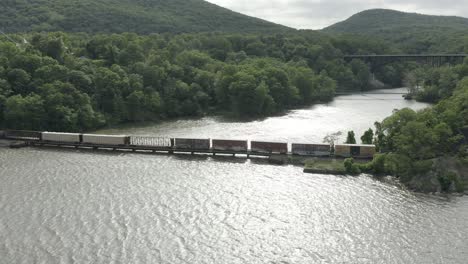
(24, 112)
(117, 16)
(381, 164)
(351, 168)
(414, 140)
(368, 137)
(412, 33)
(451, 181)
(84, 81)
(350, 139)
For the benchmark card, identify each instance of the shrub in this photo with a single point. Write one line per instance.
(351, 168)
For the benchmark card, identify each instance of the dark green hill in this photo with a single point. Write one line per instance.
(412, 32)
(382, 21)
(115, 16)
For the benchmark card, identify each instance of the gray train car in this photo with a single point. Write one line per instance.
(230, 145)
(311, 149)
(23, 135)
(114, 140)
(2, 134)
(61, 137)
(355, 151)
(191, 143)
(269, 147)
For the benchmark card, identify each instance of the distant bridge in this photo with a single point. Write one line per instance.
(432, 59)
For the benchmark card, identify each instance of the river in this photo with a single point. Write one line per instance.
(76, 206)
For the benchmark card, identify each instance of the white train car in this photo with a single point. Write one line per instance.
(60, 137)
(114, 140)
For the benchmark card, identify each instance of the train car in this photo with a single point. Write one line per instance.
(60, 137)
(269, 147)
(22, 135)
(355, 151)
(2, 134)
(151, 141)
(311, 149)
(190, 143)
(114, 140)
(230, 145)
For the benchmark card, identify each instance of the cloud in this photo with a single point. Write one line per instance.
(316, 14)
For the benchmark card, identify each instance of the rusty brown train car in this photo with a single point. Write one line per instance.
(269, 147)
(311, 149)
(229, 145)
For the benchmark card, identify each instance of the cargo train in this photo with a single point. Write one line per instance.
(189, 144)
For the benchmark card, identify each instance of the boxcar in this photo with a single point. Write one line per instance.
(230, 145)
(22, 135)
(114, 140)
(191, 143)
(60, 137)
(356, 151)
(269, 147)
(311, 149)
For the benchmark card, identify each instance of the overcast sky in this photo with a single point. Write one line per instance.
(317, 14)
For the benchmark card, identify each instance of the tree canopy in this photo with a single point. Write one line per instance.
(118, 16)
(76, 82)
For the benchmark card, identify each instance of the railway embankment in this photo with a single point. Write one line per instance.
(12, 144)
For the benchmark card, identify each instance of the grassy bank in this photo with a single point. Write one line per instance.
(325, 166)
(440, 175)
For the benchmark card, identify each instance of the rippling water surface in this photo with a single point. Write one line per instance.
(69, 206)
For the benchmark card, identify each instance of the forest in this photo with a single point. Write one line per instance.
(120, 16)
(409, 32)
(428, 149)
(79, 82)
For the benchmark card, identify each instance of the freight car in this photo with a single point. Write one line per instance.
(23, 135)
(230, 145)
(151, 141)
(114, 140)
(192, 144)
(355, 151)
(311, 149)
(269, 147)
(61, 137)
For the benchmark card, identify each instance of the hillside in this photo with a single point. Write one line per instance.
(415, 33)
(116, 16)
(382, 21)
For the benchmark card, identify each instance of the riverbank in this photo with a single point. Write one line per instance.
(445, 174)
(324, 166)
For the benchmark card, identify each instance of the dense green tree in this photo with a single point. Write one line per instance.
(350, 139)
(130, 78)
(19, 80)
(368, 137)
(24, 112)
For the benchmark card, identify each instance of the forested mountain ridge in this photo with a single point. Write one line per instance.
(413, 33)
(117, 16)
(380, 21)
